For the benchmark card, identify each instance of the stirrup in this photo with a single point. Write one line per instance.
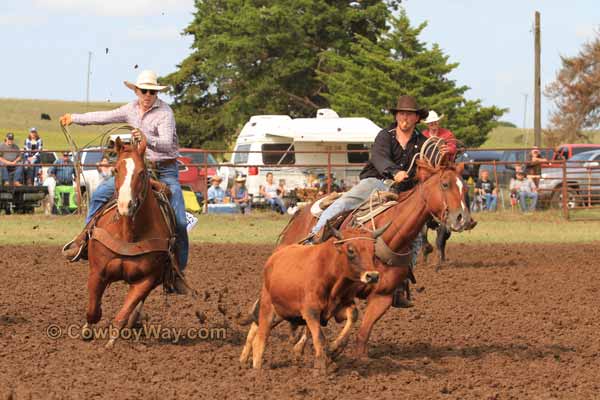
(81, 251)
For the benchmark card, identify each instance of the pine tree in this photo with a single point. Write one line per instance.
(260, 57)
(375, 72)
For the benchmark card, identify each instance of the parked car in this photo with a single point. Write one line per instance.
(583, 178)
(505, 172)
(470, 156)
(195, 176)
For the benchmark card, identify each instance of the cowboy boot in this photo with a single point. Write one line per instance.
(401, 296)
(179, 286)
(76, 249)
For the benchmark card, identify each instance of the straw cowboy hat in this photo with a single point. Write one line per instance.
(216, 178)
(146, 80)
(408, 103)
(240, 179)
(433, 117)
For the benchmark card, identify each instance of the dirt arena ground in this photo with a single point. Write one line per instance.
(500, 322)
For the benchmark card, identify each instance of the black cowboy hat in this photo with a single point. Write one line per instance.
(409, 103)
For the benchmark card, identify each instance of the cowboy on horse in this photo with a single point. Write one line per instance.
(392, 162)
(156, 122)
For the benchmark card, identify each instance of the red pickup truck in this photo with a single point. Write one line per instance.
(566, 151)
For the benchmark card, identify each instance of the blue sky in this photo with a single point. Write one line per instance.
(46, 44)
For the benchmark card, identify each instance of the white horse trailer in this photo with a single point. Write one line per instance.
(293, 140)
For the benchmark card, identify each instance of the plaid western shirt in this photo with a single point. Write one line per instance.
(157, 124)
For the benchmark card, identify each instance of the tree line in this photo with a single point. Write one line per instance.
(293, 57)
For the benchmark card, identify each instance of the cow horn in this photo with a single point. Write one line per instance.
(379, 231)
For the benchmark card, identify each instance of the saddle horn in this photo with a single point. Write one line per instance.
(379, 231)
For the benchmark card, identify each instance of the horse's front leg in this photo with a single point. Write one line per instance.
(96, 286)
(377, 305)
(137, 292)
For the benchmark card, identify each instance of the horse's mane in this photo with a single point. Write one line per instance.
(285, 229)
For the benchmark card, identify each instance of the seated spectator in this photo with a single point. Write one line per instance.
(10, 157)
(487, 190)
(239, 195)
(323, 184)
(524, 189)
(33, 146)
(63, 170)
(272, 192)
(216, 194)
(105, 171)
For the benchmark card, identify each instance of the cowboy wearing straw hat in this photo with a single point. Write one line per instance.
(155, 120)
(434, 129)
(391, 156)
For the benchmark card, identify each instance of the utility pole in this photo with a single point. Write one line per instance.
(89, 72)
(525, 95)
(537, 121)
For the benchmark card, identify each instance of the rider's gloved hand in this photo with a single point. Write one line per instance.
(136, 134)
(66, 120)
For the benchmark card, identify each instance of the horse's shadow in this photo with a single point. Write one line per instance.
(387, 358)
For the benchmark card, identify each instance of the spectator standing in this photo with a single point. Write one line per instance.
(33, 145)
(487, 190)
(239, 195)
(10, 157)
(272, 192)
(216, 194)
(524, 189)
(434, 129)
(535, 165)
(63, 170)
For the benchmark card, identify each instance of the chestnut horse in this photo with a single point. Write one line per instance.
(130, 241)
(440, 194)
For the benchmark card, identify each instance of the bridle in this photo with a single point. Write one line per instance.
(443, 218)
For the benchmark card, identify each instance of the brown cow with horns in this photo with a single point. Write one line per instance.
(309, 285)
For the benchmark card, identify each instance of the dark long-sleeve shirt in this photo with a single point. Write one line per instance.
(388, 157)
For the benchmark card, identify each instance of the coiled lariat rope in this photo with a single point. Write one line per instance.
(76, 150)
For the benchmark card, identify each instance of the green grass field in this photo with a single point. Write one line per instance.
(264, 227)
(506, 137)
(18, 115)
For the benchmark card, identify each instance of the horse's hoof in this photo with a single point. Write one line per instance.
(87, 333)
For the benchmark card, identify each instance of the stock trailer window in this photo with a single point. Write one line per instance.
(284, 156)
(358, 158)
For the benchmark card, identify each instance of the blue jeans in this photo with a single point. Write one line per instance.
(168, 175)
(523, 196)
(491, 201)
(350, 200)
(277, 204)
(16, 170)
